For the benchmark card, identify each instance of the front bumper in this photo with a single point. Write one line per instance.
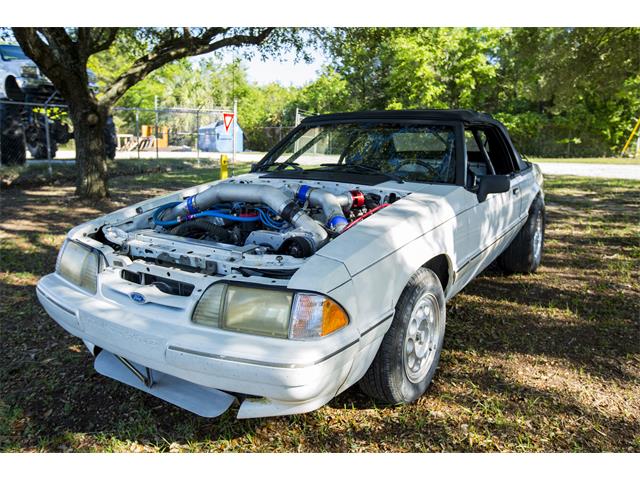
(288, 376)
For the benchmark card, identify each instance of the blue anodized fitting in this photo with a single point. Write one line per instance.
(336, 221)
(303, 193)
(191, 208)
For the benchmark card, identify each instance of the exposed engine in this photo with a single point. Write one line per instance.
(241, 226)
(295, 220)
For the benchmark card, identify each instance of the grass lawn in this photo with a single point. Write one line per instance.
(38, 175)
(544, 362)
(35, 175)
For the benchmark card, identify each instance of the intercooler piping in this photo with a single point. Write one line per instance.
(273, 197)
(332, 205)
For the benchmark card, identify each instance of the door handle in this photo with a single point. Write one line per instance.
(516, 190)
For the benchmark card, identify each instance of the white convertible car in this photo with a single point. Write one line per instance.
(329, 264)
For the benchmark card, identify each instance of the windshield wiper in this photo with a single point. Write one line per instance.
(362, 168)
(281, 166)
(293, 165)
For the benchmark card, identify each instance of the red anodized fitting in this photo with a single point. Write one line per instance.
(357, 199)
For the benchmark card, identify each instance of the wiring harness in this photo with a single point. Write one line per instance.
(263, 214)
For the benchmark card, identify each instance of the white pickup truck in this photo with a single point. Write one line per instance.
(328, 265)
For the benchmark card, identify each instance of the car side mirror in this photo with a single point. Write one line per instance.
(492, 184)
(254, 165)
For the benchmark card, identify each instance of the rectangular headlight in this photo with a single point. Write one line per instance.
(269, 312)
(79, 265)
(29, 71)
(258, 311)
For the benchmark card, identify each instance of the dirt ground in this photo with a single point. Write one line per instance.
(544, 362)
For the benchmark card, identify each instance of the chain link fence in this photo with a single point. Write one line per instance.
(41, 133)
(32, 131)
(175, 132)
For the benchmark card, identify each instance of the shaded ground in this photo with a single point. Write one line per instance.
(548, 362)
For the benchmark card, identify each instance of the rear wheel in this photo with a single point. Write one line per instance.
(524, 254)
(408, 356)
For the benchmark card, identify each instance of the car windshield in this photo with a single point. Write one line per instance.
(422, 153)
(12, 52)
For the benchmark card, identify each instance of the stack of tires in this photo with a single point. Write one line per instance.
(12, 146)
(18, 136)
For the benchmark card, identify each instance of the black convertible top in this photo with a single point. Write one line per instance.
(466, 116)
(469, 117)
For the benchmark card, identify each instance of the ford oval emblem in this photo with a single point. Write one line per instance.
(138, 297)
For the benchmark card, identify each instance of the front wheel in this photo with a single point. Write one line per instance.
(408, 356)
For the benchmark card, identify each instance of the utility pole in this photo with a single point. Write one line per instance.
(235, 114)
(138, 132)
(296, 122)
(155, 103)
(198, 135)
(47, 132)
(235, 121)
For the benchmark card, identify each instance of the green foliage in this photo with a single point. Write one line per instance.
(415, 67)
(329, 93)
(581, 83)
(205, 85)
(560, 91)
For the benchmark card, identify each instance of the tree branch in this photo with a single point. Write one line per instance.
(175, 50)
(61, 43)
(39, 51)
(58, 64)
(94, 40)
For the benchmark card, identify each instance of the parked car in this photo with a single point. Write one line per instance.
(328, 265)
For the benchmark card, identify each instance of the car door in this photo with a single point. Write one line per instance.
(489, 224)
(503, 162)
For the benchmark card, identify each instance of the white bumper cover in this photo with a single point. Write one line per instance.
(287, 376)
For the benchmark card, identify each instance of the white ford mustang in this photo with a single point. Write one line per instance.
(329, 264)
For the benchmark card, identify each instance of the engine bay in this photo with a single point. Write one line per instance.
(246, 227)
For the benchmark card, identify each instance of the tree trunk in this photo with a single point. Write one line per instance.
(91, 161)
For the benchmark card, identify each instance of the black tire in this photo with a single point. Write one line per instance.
(387, 378)
(110, 138)
(524, 254)
(38, 151)
(12, 148)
